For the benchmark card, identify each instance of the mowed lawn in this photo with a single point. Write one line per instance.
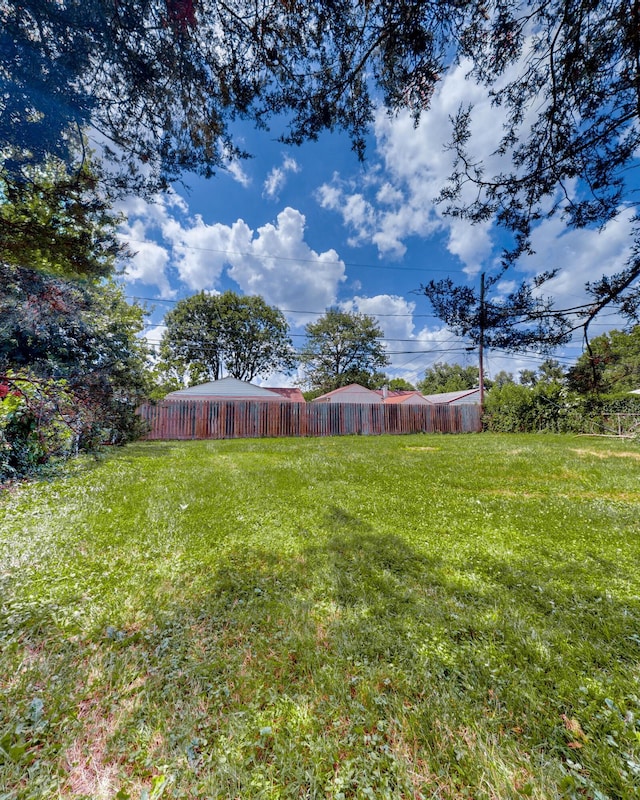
(358, 617)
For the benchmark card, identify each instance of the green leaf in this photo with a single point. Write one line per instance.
(158, 785)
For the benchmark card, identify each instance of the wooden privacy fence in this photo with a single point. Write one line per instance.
(237, 419)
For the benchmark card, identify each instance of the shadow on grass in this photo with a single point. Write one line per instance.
(360, 658)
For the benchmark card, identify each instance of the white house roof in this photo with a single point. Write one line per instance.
(225, 387)
(353, 393)
(465, 396)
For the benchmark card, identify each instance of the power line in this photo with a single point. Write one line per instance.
(283, 310)
(157, 343)
(494, 308)
(304, 336)
(292, 259)
(532, 355)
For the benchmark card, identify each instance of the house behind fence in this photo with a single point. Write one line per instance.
(236, 419)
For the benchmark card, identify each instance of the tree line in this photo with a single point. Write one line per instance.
(207, 336)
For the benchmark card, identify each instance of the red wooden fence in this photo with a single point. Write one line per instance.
(237, 419)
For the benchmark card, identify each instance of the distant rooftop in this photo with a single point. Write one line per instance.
(234, 389)
(464, 396)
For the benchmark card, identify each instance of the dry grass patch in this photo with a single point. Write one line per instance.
(603, 454)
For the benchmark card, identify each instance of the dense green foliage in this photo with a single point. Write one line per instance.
(400, 384)
(72, 367)
(550, 399)
(209, 335)
(502, 378)
(294, 618)
(39, 423)
(550, 371)
(343, 347)
(443, 377)
(57, 222)
(552, 407)
(611, 364)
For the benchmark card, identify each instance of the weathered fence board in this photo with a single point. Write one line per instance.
(237, 419)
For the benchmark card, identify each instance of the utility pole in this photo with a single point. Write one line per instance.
(482, 323)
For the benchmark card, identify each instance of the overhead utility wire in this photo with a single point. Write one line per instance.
(304, 336)
(525, 355)
(284, 310)
(259, 257)
(489, 306)
(157, 343)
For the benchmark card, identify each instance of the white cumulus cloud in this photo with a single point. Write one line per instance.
(274, 261)
(281, 267)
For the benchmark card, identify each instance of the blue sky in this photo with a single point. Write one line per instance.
(311, 227)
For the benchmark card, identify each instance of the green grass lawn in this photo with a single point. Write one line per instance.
(384, 617)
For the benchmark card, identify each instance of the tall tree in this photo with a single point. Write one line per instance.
(70, 350)
(191, 348)
(567, 74)
(401, 385)
(503, 378)
(528, 377)
(255, 336)
(551, 371)
(207, 335)
(343, 347)
(518, 321)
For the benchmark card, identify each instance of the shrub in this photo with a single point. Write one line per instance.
(552, 407)
(37, 420)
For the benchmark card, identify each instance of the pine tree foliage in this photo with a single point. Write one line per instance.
(58, 222)
(515, 321)
(160, 82)
(567, 75)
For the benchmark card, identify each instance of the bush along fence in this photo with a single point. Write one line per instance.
(44, 421)
(551, 407)
(211, 419)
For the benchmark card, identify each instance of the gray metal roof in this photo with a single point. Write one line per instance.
(465, 396)
(225, 387)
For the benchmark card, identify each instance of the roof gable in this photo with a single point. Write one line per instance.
(287, 393)
(225, 387)
(349, 393)
(410, 398)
